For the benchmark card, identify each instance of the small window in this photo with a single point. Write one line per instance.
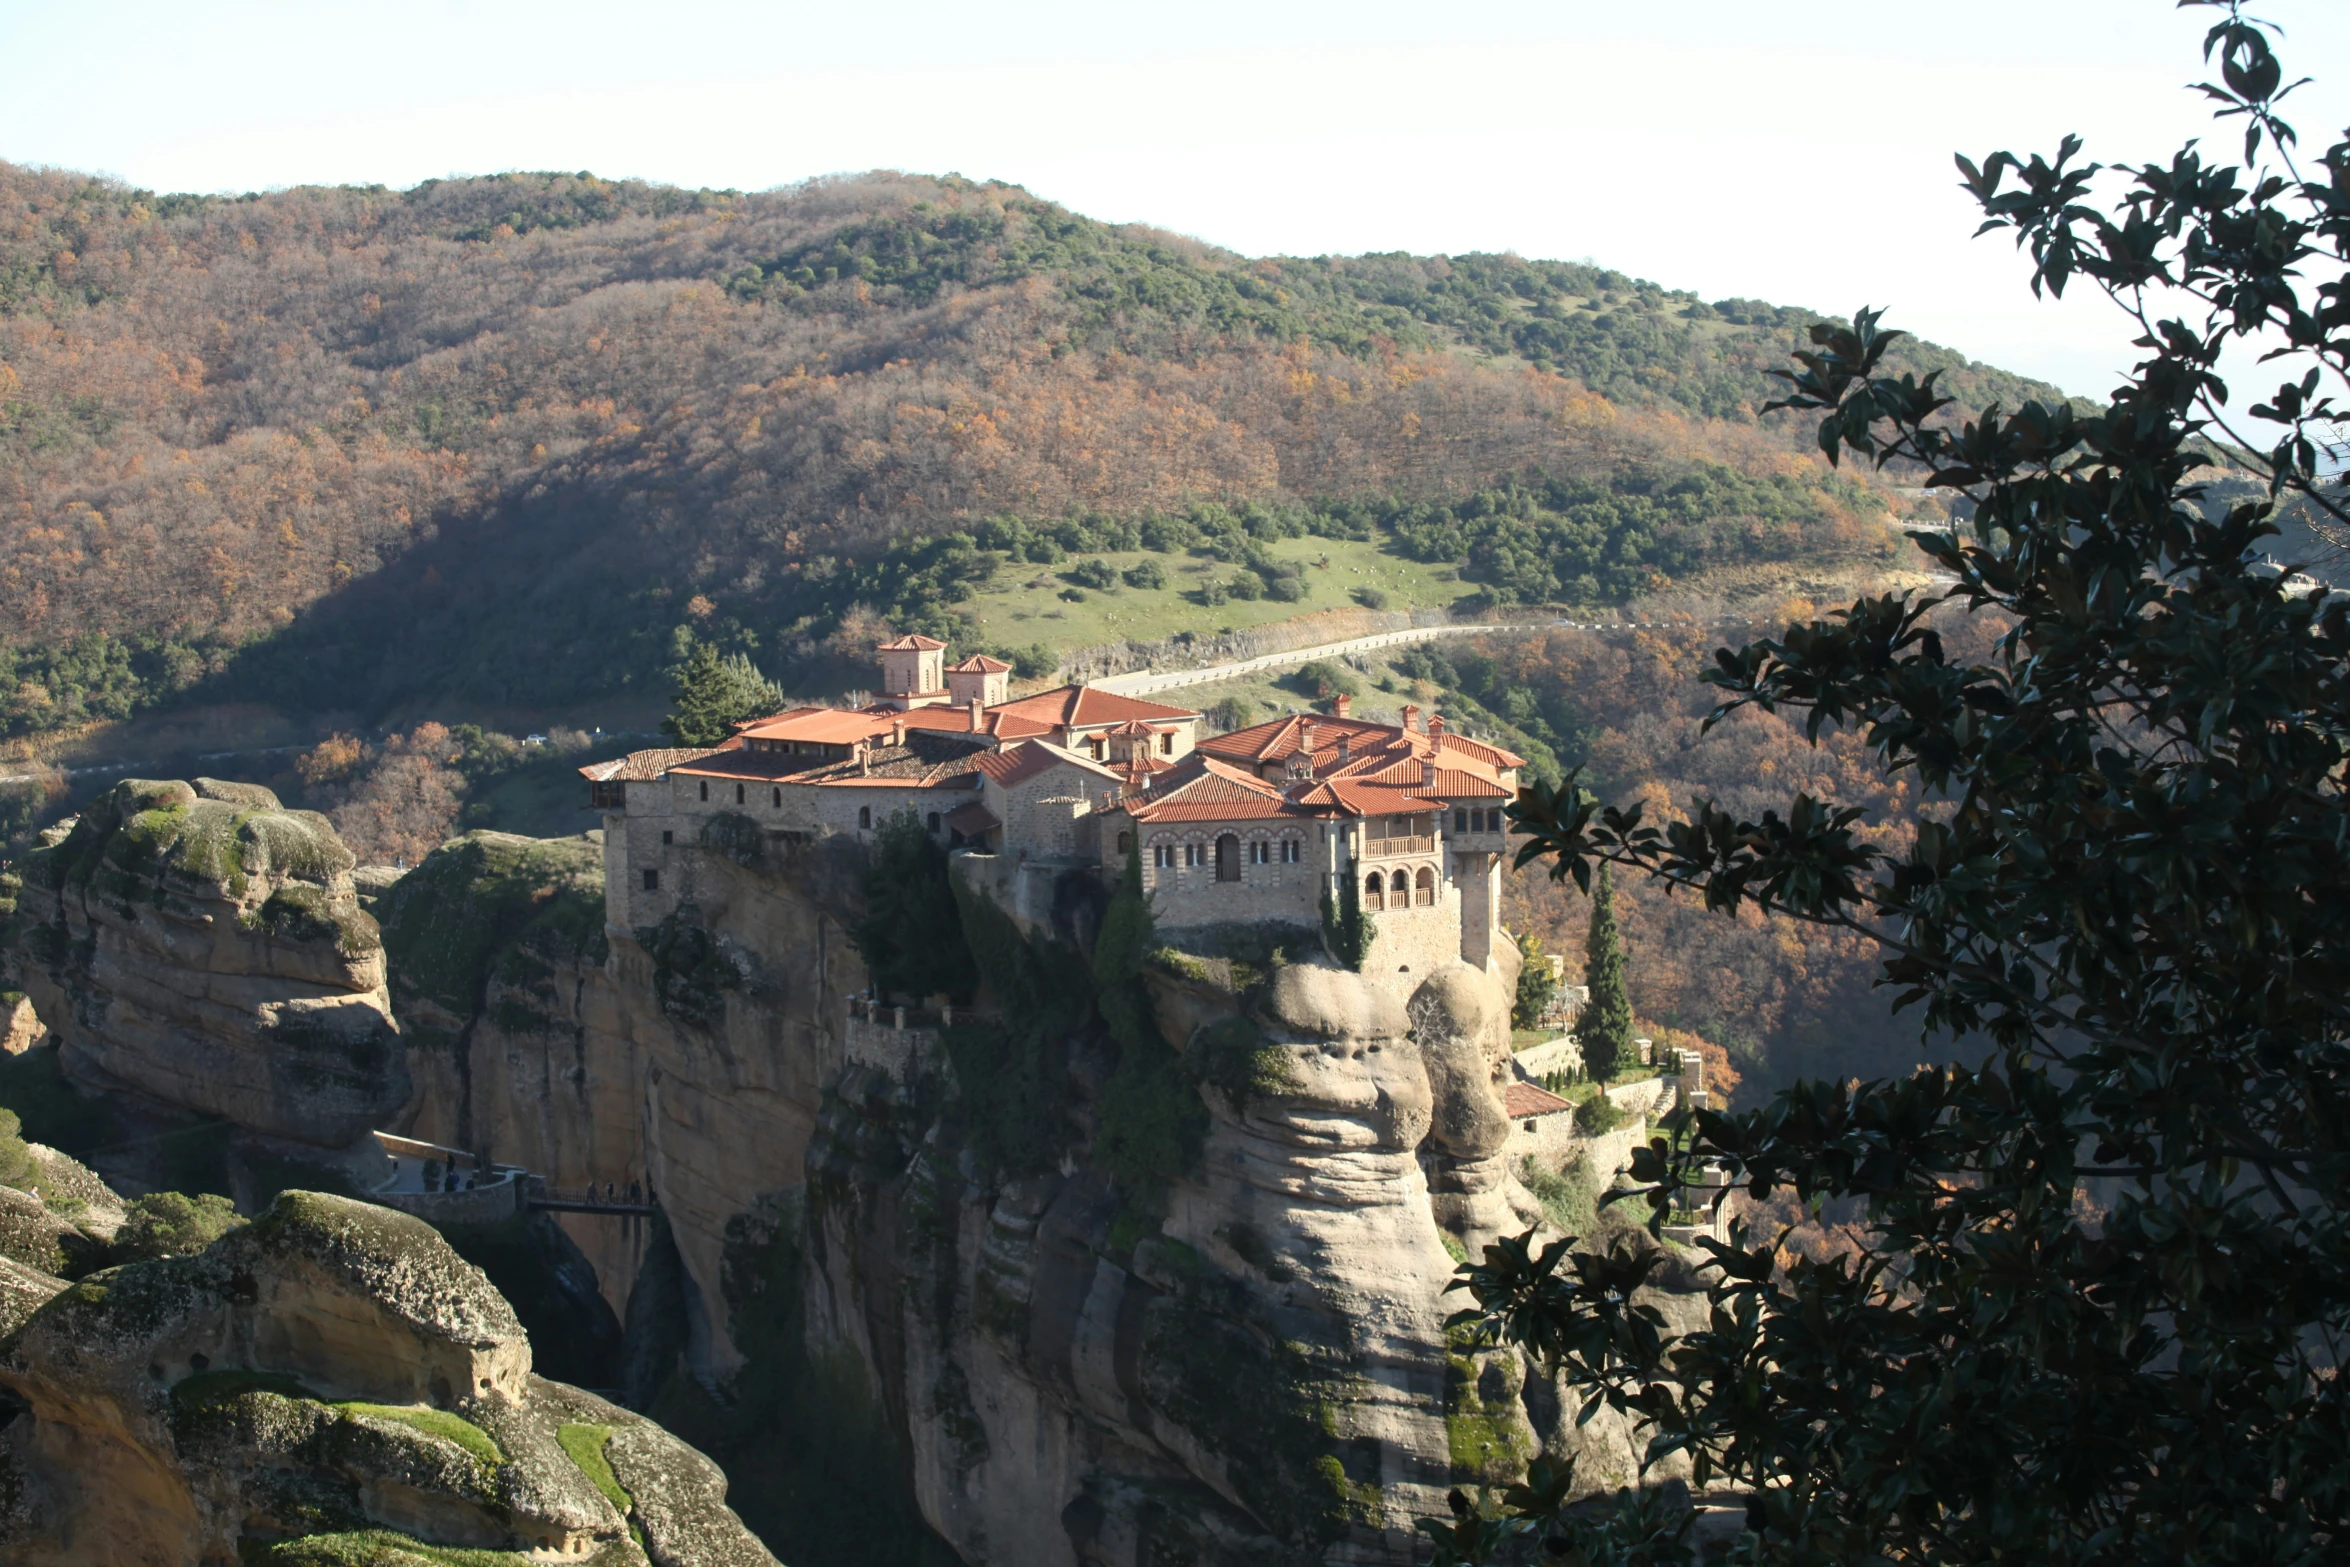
(705, 788)
(778, 793)
(1163, 856)
(1125, 842)
(864, 817)
(1166, 745)
(652, 881)
(934, 821)
(1460, 820)
(1191, 855)
(667, 836)
(1290, 848)
(738, 794)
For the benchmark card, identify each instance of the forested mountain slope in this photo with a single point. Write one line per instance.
(498, 440)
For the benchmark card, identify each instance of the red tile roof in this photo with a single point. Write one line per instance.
(644, 766)
(1490, 755)
(910, 644)
(1360, 799)
(1203, 789)
(1083, 707)
(1455, 784)
(820, 725)
(1016, 764)
(1527, 1100)
(979, 664)
(973, 819)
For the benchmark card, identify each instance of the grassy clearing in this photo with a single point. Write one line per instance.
(585, 1443)
(1025, 604)
(371, 1548)
(434, 1422)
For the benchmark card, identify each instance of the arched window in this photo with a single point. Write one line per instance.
(1399, 890)
(1424, 887)
(705, 788)
(778, 792)
(1125, 842)
(1374, 891)
(738, 794)
(934, 821)
(864, 817)
(1228, 858)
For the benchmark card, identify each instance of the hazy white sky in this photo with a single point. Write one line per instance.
(1701, 143)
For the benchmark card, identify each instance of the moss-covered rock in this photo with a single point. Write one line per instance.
(486, 902)
(202, 946)
(330, 1384)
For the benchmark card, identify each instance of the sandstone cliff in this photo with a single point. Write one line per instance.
(889, 1274)
(200, 947)
(328, 1384)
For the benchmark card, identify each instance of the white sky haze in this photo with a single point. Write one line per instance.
(1700, 143)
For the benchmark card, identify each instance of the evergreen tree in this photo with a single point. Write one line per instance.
(911, 937)
(713, 694)
(1605, 1028)
(1536, 984)
(1151, 1116)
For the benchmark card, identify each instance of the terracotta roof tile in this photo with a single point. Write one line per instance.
(644, 766)
(1086, 706)
(1454, 784)
(820, 725)
(910, 644)
(1016, 764)
(1527, 1100)
(972, 819)
(979, 664)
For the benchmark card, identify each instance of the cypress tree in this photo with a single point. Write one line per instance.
(713, 694)
(1605, 1028)
(1151, 1118)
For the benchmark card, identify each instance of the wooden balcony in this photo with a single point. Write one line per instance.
(1388, 848)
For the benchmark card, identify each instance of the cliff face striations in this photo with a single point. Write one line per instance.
(199, 946)
(892, 1265)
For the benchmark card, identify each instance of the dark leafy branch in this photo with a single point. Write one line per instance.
(2095, 1307)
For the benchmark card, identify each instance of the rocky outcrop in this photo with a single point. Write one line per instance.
(200, 946)
(1256, 1373)
(1242, 1363)
(329, 1378)
(686, 1060)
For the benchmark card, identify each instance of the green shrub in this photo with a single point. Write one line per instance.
(1598, 1116)
(1246, 585)
(1234, 712)
(172, 1224)
(1097, 573)
(1150, 575)
(1370, 598)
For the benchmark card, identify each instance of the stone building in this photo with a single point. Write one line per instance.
(1239, 829)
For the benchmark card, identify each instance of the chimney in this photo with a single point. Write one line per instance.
(1411, 716)
(897, 731)
(864, 759)
(1339, 705)
(1435, 725)
(977, 712)
(1346, 749)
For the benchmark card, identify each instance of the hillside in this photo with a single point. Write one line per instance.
(499, 445)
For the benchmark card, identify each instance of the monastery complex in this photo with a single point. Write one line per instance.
(1240, 828)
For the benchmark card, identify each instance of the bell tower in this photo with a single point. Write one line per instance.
(912, 672)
